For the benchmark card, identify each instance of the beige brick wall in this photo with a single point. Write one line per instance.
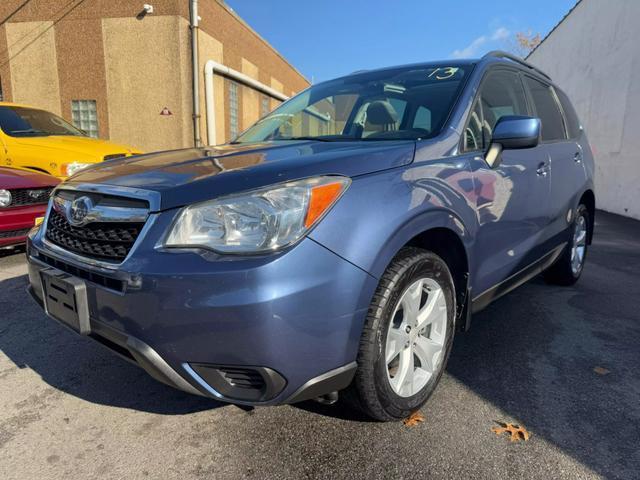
(212, 49)
(34, 69)
(147, 66)
(82, 77)
(250, 97)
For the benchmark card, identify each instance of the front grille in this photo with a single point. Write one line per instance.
(102, 241)
(14, 233)
(29, 196)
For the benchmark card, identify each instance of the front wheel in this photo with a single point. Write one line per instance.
(407, 336)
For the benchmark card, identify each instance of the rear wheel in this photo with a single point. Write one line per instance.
(407, 336)
(568, 268)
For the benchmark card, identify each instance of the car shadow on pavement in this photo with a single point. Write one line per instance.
(340, 410)
(9, 251)
(77, 365)
(564, 361)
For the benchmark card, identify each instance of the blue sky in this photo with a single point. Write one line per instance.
(327, 38)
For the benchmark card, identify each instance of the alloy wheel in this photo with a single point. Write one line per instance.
(579, 244)
(416, 336)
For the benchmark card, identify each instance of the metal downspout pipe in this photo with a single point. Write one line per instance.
(210, 69)
(195, 72)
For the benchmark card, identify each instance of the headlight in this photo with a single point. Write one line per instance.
(257, 221)
(75, 167)
(5, 198)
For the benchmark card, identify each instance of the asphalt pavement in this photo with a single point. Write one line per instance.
(564, 362)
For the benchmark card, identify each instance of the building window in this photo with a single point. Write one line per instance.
(84, 115)
(265, 106)
(233, 109)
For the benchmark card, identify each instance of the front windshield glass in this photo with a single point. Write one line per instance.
(30, 122)
(393, 104)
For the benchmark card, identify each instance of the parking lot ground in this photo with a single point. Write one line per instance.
(563, 362)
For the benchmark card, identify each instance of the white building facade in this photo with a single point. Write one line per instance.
(593, 54)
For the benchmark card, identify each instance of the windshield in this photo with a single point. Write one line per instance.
(393, 104)
(29, 122)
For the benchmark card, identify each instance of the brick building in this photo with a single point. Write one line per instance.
(124, 71)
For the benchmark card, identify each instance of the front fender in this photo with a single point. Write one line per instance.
(381, 213)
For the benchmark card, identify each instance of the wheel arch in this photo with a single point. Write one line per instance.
(448, 245)
(588, 198)
(441, 232)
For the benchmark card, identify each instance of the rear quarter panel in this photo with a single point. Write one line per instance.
(588, 161)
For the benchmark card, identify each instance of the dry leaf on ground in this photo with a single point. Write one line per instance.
(601, 370)
(516, 432)
(414, 419)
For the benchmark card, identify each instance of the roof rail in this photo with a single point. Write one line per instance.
(514, 58)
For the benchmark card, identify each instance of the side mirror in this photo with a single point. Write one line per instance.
(512, 132)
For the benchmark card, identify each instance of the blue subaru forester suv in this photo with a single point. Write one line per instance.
(337, 244)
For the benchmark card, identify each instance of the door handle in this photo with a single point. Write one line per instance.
(543, 169)
(577, 157)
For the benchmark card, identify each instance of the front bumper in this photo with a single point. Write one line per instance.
(195, 320)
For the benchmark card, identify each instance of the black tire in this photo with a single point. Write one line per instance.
(371, 390)
(561, 272)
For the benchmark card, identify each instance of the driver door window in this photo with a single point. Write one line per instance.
(501, 94)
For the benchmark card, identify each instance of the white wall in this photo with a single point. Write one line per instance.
(594, 56)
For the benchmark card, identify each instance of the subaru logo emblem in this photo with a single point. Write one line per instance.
(78, 211)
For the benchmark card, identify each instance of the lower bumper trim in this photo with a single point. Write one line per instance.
(251, 385)
(140, 353)
(330, 381)
(155, 366)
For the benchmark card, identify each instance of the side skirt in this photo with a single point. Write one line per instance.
(514, 281)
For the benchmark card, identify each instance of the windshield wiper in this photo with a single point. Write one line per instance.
(333, 138)
(319, 139)
(29, 130)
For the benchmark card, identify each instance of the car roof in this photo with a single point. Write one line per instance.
(453, 62)
(491, 58)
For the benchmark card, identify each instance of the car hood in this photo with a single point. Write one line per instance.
(16, 178)
(82, 147)
(187, 176)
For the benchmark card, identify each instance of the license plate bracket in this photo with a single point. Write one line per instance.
(65, 299)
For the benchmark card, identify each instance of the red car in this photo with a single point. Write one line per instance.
(23, 197)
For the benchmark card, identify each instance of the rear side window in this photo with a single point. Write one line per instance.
(547, 110)
(570, 115)
(501, 94)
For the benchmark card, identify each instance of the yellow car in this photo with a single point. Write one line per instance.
(39, 140)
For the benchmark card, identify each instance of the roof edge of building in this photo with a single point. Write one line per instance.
(578, 2)
(230, 10)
